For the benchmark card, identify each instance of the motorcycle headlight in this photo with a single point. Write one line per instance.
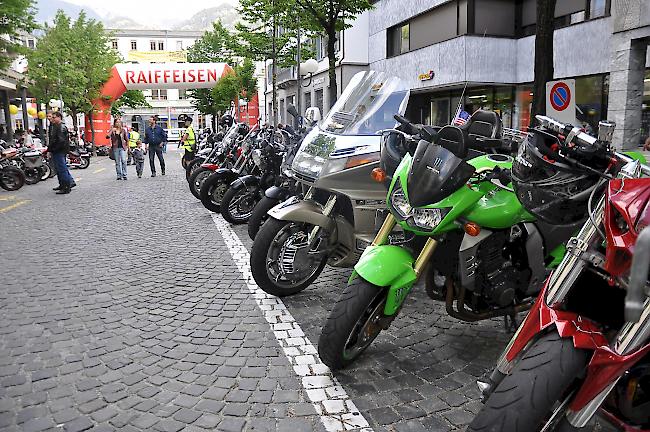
(424, 218)
(257, 157)
(399, 203)
(428, 218)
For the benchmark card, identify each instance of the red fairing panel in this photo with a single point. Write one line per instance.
(630, 200)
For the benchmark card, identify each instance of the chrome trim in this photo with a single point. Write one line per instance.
(633, 336)
(580, 418)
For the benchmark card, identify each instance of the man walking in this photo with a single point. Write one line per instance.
(154, 136)
(58, 147)
(188, 141)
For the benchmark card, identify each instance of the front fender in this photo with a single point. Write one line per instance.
(277, 192)
(295, 210)
(388, 266)
(245, 181)
(222, 174)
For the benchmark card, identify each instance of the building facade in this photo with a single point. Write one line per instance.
(352, 57)
(440, 46)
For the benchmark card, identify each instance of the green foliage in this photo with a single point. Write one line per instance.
(330, 16)
(72, 61)
(226, 90)
(16, 16)
(247, 81)
(131, 99)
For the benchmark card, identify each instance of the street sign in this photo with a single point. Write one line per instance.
(560, 100)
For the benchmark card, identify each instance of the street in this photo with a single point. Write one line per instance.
(128, 306)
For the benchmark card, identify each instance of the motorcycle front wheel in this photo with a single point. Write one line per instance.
(353, 324)
(46, 171)
(212, 191)
(84, 162)
(192, 167)
(237, 204)
(259, 215)
(280, 262)
(32, 176)
(11, 178)
(197, 179)
(526, 399)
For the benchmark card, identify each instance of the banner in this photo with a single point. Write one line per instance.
(157, 56)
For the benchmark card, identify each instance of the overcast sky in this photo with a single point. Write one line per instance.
(161, 11)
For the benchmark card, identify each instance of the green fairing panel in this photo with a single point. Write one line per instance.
(637, 155)
(383, 265)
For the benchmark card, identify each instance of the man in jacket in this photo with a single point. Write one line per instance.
(58, 147)
(134, 136)
(188, 140)
(154, 136)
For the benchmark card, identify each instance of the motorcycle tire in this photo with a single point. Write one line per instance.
(525, 399)
(11, 178)
(84, 162)
(197, 179)
(359, 302)
(264, 240)
(230, 204)
(192, 167)
(46, 171)
(32, 176)
(259, 215)
(212, 191)
(184, 163)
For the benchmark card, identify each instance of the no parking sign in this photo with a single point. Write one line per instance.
(560, 100)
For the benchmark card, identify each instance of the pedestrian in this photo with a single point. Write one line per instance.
(138, 157)
(119, 147)
(188, 141)
(646, 146)
(58, 147)
(154, 137)
(134, 136)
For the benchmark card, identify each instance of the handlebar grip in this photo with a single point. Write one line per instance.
(401, 119)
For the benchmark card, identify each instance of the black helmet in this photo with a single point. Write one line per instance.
(243, 129)
(393, 149)
(226, 120)
(550, 189)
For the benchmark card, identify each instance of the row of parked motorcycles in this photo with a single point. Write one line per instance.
(495, 222)
(22, 165)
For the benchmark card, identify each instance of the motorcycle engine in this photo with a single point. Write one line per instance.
(503, 267)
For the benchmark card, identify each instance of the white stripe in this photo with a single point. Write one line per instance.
(336, 410)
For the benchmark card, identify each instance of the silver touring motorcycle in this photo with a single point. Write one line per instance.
(335, 219)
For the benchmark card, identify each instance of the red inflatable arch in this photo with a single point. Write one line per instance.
(132, 76)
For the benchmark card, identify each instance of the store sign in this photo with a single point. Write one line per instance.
(427, 76)
(560, 100)
(169, 75)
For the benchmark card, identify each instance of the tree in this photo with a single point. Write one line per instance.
(330, 17)
(131, 99)
(241, 82)
(543, 55)
(17, 16)
(213, 46)
(71, 61)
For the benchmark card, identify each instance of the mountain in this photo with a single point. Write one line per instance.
(203, 19)
(46, 10)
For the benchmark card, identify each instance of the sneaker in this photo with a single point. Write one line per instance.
(119, 178)
(63, 191)
(73, 185)
(163, 173)
(57, 188)
(124, 178)
(139, 175)
(153, 174)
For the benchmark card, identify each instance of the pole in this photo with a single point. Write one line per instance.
(274, 73)
(8, 127)
(299, 78)
(23, 97)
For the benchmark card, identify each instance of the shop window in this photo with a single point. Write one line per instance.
(591, 95)
(480, 98)
(440, 112)
(503, 104)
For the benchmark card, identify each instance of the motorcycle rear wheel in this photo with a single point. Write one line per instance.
(11, 178)
(237, 204)
(46, 172)
(526, 398)
(274, 237)
(259, 215)
(32, 176)
(353, 324)
(192, 167)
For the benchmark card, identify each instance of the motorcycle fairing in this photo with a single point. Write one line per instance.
(629, 200)
(605, 364)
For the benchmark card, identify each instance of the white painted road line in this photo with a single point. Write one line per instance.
(336, 409)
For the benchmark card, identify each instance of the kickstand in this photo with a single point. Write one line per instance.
(510, 323)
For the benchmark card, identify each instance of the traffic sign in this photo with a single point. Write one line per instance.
(560, 100)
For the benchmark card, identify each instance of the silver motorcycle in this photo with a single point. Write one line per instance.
(336, 218)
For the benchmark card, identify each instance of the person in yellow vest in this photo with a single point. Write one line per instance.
(134, 136)
(188, 141)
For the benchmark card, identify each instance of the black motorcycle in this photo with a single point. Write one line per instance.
(33, 164)
(12, 178)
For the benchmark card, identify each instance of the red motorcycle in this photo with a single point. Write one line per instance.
(584, 348)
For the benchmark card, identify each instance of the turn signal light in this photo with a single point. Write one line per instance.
(378, 175)
(472, 229)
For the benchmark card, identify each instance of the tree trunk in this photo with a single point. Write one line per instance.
(214, 122)
(331, 56)
(543, 55)
(92, 132)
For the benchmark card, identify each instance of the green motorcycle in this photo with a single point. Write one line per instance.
(460, 226)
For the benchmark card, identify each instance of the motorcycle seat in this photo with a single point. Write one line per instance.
(453, 139)
(483, 130)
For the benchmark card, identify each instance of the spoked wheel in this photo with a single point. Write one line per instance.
(237, 204)
(197, 179)
(356, 320)
(281, 262)
(84, 162)
(11, 178)
(535, 395)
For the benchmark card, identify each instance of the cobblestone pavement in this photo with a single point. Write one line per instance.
(122, 309)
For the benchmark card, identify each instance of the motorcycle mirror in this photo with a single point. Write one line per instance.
(636, 293)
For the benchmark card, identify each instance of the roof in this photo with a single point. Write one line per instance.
(156, 33)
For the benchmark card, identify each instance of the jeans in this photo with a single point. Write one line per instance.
(120, 162)
(62, 171)
(155, 150)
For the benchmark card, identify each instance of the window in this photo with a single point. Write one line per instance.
(152, 45)
(157, 45)
(282, 112)
(201, 122)
(114, 43)
(319, 100)
(179, 45)
(31, 43)
(182, 94)
(134, 45)
(158, 94)
(161, 46)
(599, 8)
(307, 103)
(399, 40)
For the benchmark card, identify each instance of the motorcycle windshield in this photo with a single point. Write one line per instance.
(367, 105)
(435, 174)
